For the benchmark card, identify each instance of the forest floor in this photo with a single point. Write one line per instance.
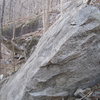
(8, 64)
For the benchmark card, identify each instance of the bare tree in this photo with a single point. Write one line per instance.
(45, 4)
(10, 10)
(61, 7)
(1, 26)
(14, 27)
(13, 35)
(50, 5)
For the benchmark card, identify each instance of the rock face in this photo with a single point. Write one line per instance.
(67, 57)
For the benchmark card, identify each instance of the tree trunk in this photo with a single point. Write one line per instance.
(50, 5)
(13, 45)
(61, 7)
(45, 14)
(1, 26)
(10, 10)
(14, 29)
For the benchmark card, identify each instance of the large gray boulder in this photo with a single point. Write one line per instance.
(67, 57)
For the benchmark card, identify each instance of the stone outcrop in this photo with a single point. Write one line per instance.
(67, 57)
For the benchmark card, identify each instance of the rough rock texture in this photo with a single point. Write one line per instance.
(67, 57)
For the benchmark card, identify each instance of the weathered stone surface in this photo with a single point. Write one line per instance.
(66, 57)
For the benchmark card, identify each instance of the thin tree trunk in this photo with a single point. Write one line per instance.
(13, 45)
(50, 5)
(61, 7)
(10, 10)
(1, 27)
(45, 4)
(14, 28)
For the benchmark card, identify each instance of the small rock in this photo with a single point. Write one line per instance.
(1, 76)
(78, 91)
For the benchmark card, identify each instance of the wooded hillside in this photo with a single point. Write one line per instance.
(49, 49)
